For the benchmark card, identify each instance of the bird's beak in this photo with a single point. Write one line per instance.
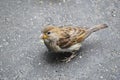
(43, 36)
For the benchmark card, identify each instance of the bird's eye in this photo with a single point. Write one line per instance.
(48, 32)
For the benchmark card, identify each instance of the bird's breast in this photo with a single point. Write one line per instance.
(52, 46)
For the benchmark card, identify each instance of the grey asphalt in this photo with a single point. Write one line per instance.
(24, 57)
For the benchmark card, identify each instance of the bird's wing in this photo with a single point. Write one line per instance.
(76, 35)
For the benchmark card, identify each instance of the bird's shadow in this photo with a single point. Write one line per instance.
(55, 58)
(58, 57)
(51, 57)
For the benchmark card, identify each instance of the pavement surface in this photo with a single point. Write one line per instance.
(24, 57)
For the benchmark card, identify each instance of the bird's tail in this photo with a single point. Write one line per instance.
(97, 28)
(94, 29)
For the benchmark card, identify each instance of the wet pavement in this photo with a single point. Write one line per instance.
(24, 57)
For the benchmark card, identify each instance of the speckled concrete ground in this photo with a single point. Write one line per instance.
(24, 57)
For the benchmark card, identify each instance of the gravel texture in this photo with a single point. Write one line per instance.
(24, 57)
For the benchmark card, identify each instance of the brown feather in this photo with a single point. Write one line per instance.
(71, 40)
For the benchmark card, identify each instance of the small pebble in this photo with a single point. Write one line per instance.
(41, 41)
(4, 39)
(80, 56)
(50, 3)
(19, 36)
(41, 2)
(64, 1)
(115, 66)
(101, 77)
(1, 46)
(35, 17)
(59, 3)
(106, 69)
(6, 43)
(39, 63)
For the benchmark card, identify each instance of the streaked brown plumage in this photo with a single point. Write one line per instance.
(67, 39)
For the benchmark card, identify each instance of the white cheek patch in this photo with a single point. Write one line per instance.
(41, 41)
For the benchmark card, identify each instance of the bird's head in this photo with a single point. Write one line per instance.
(51, 33)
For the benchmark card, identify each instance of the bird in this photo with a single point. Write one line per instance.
(61, 39)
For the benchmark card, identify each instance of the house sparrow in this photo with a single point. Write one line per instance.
(67, 38)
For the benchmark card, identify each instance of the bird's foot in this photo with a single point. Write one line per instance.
(68, 59)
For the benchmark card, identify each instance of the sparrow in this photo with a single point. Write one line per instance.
(67, 38)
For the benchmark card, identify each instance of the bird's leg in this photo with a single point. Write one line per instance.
(68, 59)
